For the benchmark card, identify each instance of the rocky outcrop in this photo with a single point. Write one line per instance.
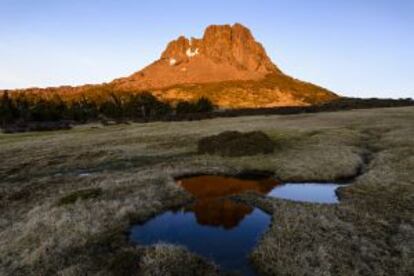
(236, 46)
(223, 53)
(222, 44)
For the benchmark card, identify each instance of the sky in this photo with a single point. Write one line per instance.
(358, 48)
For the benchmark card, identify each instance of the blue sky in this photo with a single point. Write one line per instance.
(360, 48)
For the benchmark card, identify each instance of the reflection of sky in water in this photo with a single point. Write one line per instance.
(228, 248)
(307, 192)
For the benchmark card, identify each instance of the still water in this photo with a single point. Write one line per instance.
(214, 226)
(307, 192)
(221, 229)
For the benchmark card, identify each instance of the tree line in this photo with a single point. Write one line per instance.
(25, 107)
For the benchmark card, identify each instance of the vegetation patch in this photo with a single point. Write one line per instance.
(234, 143)
(202, 105)
(21, 112)
(79, 195)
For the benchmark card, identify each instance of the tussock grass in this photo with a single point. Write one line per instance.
(162, 259)
(369, 232)
(234, 143)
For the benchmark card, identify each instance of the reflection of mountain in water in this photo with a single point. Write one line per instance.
(220, 212)
(211, 208)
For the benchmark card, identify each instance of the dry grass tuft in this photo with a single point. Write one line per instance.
(162, 259)
(79, 195)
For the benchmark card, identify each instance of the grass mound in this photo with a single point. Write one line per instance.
(234, 143)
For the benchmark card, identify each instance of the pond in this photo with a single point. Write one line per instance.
(221, 229)
(307, 192)
(214, 226)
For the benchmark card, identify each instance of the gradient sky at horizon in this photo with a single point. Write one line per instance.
(355, 48)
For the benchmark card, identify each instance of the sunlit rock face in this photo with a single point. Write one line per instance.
(223, 44)
(224, 53)
(212, 208)
(236, 45)
(228, 66)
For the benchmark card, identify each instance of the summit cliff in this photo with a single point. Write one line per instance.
(224, 53)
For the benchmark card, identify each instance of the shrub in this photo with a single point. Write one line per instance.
(7, 109)
(202, 105)
(82, 110)
(147, 106)
(184, 107)
(234, 143)
(112, 107)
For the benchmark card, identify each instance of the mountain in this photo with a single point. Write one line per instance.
(227, 65)
(224, 53)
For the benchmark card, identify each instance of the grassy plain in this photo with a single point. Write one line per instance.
(67, 198)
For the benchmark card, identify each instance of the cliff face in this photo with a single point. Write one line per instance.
(224, 53)
(230, 45)
(227, 65)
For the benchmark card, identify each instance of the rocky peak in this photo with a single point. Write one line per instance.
(223, 44)
(176, 50)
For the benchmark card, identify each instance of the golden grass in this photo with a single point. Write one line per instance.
(273, 90)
